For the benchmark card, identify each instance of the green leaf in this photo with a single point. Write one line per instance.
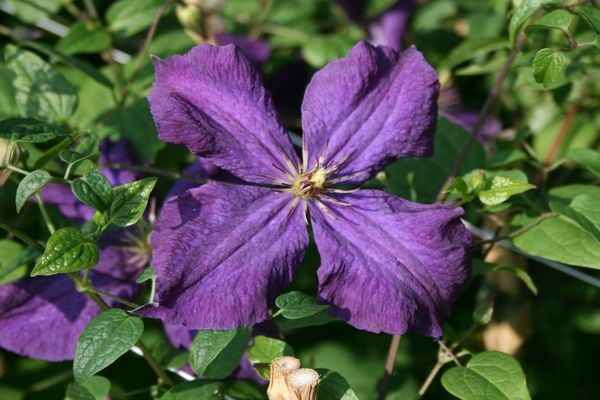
(129, 202)
(128, 17)
(318, 319)
(30, 185)
(522, 13)
(14, 259)
(243, 390)
(561, 239)
(420, 179)
(106, 338)
(505, 158)
(83, 40)
(147, 275)
(557, 19)
(498, 189)
(28, 130)
(585, 210)
(67, 251)
(481, 267)
(41, 92)
(588, 158)
(560, 197)
(78, 64)
(320, 49)
(590, 14)
(264, 350)
(142, 134)
(85, 147)
(31, 11)
(216, 354)
(93, 388)
(489, 375)
(295, 305)
(470, 49)
(94, 190)
(333, 386)
(548, 65)
(194, 390)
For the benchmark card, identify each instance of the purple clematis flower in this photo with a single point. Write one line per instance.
(43, 317)
(223, 251)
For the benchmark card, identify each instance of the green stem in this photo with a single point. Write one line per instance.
(429, 380)
(113, 297)
(45, 215)
(17, 169)
(23, 237)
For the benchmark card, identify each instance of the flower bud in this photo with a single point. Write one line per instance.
(9, 154)
(280, 369)
(190, 17)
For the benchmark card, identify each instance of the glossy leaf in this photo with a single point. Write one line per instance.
(490, 375)
(30, 185)
(295, 305)
(106, 338)
(216, 354)
(129, 202)
(334, 386)
(585, 210)
(522, 13)
(67, 251)
(93, 388)
(264, 350)
(498, 189)
(94, 190)
(548, 66)
(28, 130)
(557, 19)
(563, 240)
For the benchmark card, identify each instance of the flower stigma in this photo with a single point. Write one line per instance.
(311, 184)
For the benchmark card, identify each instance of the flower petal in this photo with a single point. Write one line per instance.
(363, 111)
(43, 317)
(388, 29)
(222, 252)
(410, 259)
(257, 51)
(212, 100)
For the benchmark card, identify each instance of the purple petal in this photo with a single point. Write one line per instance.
(120, 152)
(179, 336)
(43, 317)
(60, 194)
(257, 51)
(222, 252)
(212, 100)
(365, 110)
(411, 260)
(388, 29)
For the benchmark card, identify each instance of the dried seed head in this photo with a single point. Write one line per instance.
(280, 369)
(303, 384)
